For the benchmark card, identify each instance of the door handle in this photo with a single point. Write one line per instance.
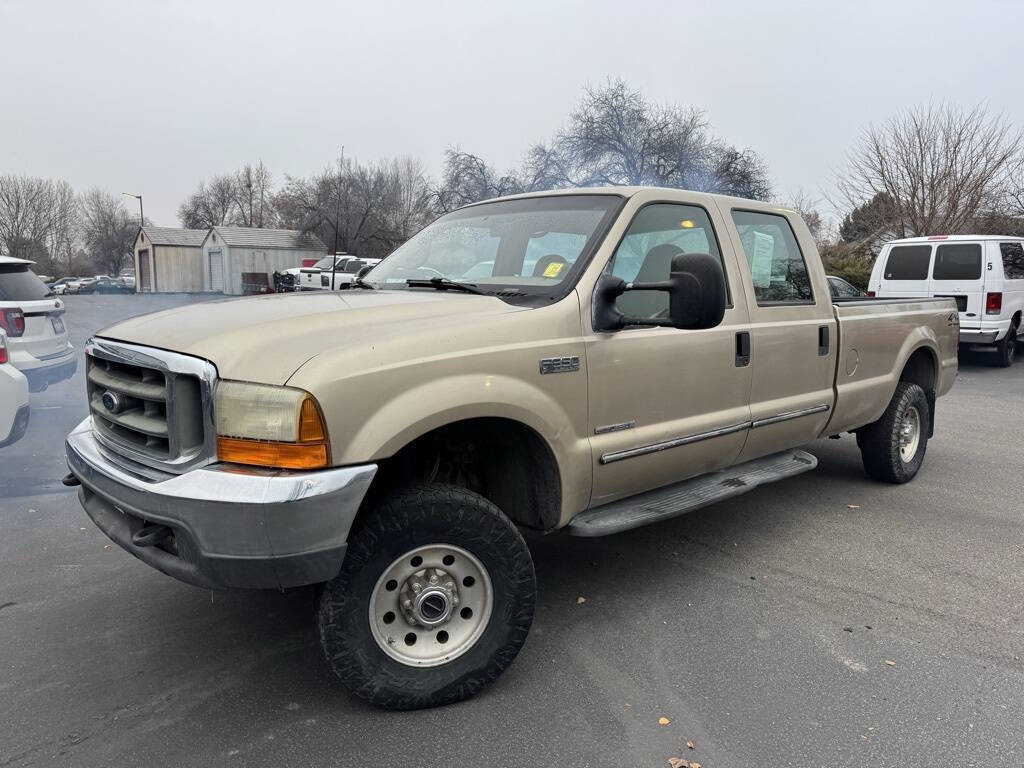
(822, 340)
(742, 349)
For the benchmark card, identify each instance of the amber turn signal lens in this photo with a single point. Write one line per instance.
(266, 454)
(311, 423)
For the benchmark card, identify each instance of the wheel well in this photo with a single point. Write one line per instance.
(503, 460)
(921, 370)
(1016, 318)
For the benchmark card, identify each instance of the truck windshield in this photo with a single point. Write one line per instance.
(529, 245)
(19, 283)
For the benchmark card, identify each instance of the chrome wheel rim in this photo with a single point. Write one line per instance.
(431, 605)
(910, 434)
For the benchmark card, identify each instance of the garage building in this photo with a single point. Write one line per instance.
(169, 260)
(233, 255)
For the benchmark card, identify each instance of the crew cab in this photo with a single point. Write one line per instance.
(33, 320)
(309, 278)
(984, 274)
(630, 355)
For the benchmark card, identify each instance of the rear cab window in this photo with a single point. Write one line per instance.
(19, 283)
(908, 262)
(777, 267)
(957, 261)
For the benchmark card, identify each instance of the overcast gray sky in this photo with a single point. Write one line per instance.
(151, 97)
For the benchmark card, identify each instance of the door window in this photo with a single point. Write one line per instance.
(657, 233)
(957, 261)
(908, 262)
(1013, 260)
(777, 267)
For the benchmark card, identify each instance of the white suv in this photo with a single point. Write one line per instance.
(13, 398)
(33, 321)
(983, 273)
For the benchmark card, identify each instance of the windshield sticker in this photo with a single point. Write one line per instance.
(761, 260)
(553, 269)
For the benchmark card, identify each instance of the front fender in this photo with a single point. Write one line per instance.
(416, 411)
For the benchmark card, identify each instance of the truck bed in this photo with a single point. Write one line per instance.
(875, 338)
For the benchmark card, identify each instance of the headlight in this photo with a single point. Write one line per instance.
(270, 426)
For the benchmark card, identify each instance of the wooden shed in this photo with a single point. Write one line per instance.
(233, 255)
(169, 260)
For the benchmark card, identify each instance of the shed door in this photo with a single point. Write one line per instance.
(216, 272)
(145, 286)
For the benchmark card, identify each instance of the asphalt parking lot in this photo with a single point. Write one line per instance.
(823, 621)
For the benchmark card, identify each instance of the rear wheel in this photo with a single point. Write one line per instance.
(892, 449)
(434, 599)
(1006, 348)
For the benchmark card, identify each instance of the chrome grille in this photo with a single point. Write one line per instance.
(151, 406)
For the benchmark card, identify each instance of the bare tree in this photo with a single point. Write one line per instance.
(407, 205)
(615, 136)
(108, 230)
(64, 227)
(26, 216)
(939, 168)
(468, 178)
(253, 191)
(213, 204)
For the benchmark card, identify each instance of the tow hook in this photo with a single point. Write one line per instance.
(150, 535)
(70, 480)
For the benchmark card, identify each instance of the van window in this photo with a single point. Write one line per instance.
(957, 261)
(777, 266)
(1013, 261)
(908, 262)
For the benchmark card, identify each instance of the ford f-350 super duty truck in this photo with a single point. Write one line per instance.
(584, 360)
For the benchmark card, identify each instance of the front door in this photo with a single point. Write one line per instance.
(665, 404)
(792, 333)
(216, 271)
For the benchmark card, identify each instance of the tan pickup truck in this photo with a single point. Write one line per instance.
(586, 361)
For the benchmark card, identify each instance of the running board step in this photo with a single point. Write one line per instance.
(679, 498)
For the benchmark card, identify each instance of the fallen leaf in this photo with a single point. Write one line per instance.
(663, 721)
(580, 600)
(678, 762)
(689, 744)
(890, 663)
(853, 506)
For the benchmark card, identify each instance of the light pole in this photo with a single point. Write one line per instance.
(142, 219)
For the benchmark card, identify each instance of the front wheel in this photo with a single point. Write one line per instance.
(892, 448)
(434, 599)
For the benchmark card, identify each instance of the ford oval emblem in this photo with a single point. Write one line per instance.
(113, 402)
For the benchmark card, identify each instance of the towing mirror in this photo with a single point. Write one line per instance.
(696, 296)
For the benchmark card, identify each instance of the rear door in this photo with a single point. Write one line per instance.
(958, 272)
(905, 270)
(792, 332)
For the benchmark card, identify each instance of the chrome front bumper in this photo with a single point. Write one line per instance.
(221, 526)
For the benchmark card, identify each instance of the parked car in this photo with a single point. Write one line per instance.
(107, 284)
(33, 320)
(14, 411)
(60, 287)
(984, 274)
(667, 350)
(841, 289)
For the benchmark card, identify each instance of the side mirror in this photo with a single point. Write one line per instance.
(696, 296)
(362, 272)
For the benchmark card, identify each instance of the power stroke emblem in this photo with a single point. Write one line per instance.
(560, 364)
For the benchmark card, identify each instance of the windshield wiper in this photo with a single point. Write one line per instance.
(444, 284)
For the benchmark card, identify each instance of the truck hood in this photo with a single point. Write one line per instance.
(267, 338)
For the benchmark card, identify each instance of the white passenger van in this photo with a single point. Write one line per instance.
(983, 273)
